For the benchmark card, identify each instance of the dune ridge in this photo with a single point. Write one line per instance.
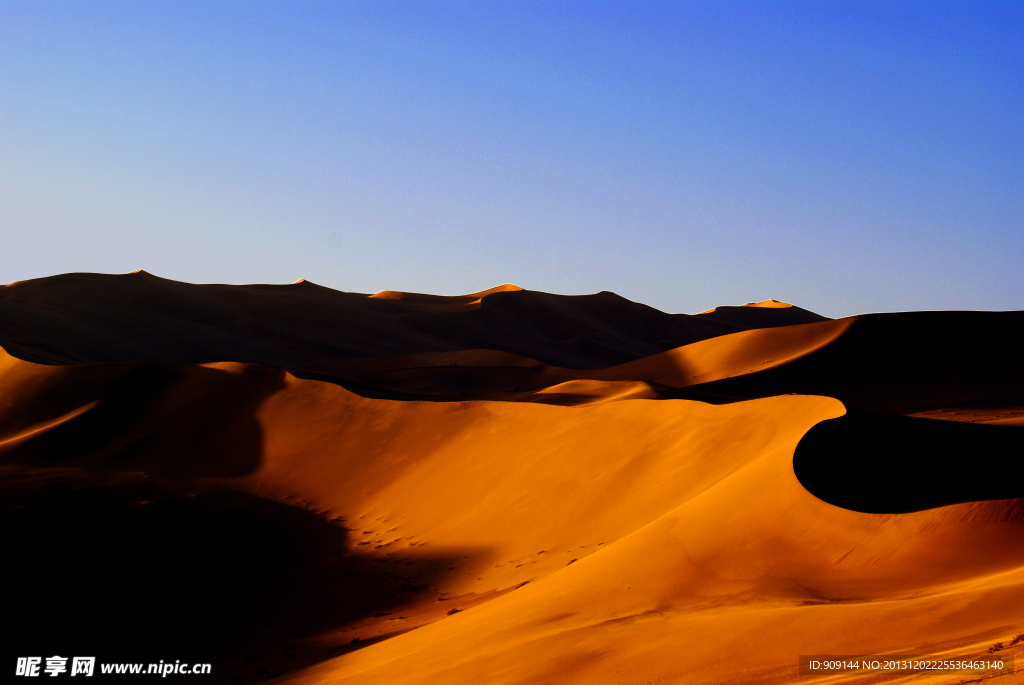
(482, 372)
(90, 318)
(503, 487)
(441, 300)
(907, 363)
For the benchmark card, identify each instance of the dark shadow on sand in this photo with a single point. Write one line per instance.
(165, 419)
(126, 568)
(896, 464)
(505, 391)
(117, 545)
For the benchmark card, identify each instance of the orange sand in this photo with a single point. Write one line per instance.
(462, 514)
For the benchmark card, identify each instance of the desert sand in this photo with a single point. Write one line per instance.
(510, 486)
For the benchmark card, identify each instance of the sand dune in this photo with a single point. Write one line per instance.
(698, 514)
(887, 363)
(89, 318)
(907, 363)
(492, 373)
(709, 592)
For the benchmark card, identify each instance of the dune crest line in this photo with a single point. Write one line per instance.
(508, 486)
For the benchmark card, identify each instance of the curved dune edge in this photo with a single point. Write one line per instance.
(587, 534)
(896, 464)
(728, 356)
(684, 595)
(490, 371)
(637, 526)
(585, 391)
(36, 429)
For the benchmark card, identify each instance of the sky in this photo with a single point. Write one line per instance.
(844, 156)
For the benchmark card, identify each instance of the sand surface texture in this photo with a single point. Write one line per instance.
(510, 486)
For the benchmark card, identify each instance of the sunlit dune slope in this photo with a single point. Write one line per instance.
(637, 526)
(483, 371)
(738, 354)
(953, 365)
(963, 366)
(502, 487)
(724, 546)
(769, 304)
(718, 591)
(80, 318)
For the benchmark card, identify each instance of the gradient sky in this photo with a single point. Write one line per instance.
(844, 156)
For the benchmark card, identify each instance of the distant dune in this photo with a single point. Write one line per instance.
(88, 318)
(502, 487)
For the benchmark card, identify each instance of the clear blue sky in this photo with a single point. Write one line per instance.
(845, 156)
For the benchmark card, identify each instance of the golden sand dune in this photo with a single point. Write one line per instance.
(490, 373)
(709, 591)
(960, 366)
(693, 515)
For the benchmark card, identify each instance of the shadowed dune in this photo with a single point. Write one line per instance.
(896, 464)
(885, 363)
(130, 417)
(488, 374)
(82, 318)
(906, 363)
(248, 475)
(767, 314)
(134, 568)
